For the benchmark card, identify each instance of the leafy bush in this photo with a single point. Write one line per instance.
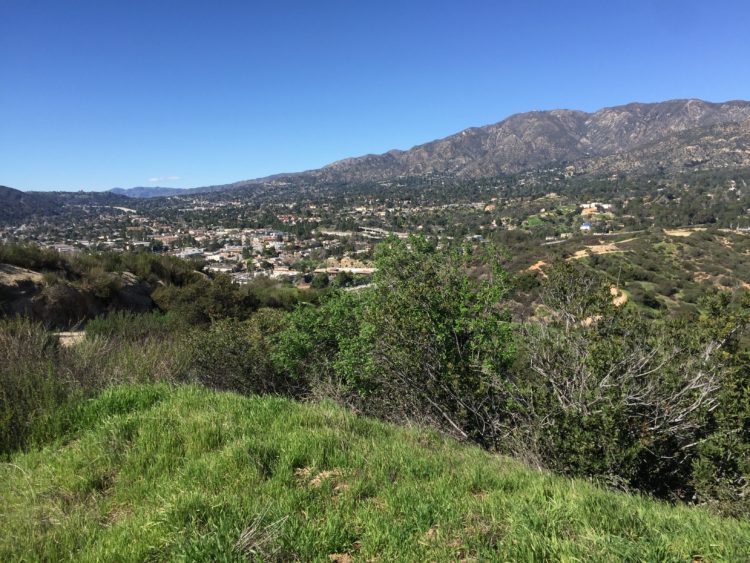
(721, 471)
(235, 355)
(314, 348)
(430, 341)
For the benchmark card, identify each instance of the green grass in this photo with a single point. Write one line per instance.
(159, 473)
(533, 221)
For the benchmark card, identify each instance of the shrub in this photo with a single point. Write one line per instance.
(429, 341)
(29, 385)
(313, 348)
(606, 392)
(721, 471)
(133, 326)
(235, 355)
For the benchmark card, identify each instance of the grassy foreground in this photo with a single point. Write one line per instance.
(158, 473)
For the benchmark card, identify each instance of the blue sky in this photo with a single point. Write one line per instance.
(98, 94)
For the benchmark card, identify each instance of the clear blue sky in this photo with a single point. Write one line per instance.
(104, 93)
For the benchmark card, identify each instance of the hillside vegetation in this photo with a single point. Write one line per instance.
(159, 473)
(592, 386)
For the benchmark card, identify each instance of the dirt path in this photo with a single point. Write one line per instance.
(683, 232)
(70, 338)
(596, 249)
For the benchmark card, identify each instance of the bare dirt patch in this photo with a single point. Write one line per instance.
(13, 275)
(683, 232)
(619, 297)
(70, 338)
(537, 267)
(596, 249)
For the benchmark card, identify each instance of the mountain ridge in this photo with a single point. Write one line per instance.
(529, 140)
(524, 141)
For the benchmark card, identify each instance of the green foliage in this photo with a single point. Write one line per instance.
(200, 302)
(604, 391)
(430, 341)
(657, 402)
(320, 281)
(30, 256)
(29, 387)
(343, 279)
(150, 267)
(441, 342)
(38, 377)
(721, 471)
(134, 326)
(161, 474)
(207, 300)
(317, 343)
(236, 355)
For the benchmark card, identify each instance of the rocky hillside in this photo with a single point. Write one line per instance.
(722, 145)
(63, 304)
(528, 140)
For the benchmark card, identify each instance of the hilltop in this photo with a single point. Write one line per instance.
(159, 473)
(20, 206)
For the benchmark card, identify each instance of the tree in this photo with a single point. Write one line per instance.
(343, 279)
(604, 391)
(320, 281)
(439, 335)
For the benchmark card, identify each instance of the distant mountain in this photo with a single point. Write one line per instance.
(529, 140)
(18, 206)
(722, 145)
(146, 191)
(638, 137)
(666, 135)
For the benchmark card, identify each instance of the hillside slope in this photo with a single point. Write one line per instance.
(17, 206)
(528, 140)
(153, 473)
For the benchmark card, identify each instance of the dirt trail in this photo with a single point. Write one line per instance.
(609, 248)
(683, 232)
(70, 338)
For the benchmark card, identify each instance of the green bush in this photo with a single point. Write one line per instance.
(236, 355)
(29, 384)
(721, 471)
(429, 341)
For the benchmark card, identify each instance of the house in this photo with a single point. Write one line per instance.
(220, 268)
(190, 253)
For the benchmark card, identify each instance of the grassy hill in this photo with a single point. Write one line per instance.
(158, 473)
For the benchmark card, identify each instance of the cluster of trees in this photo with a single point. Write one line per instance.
(81, 285)
(584, 387)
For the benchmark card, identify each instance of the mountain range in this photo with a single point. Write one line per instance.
(638, 137)
(668, 137)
